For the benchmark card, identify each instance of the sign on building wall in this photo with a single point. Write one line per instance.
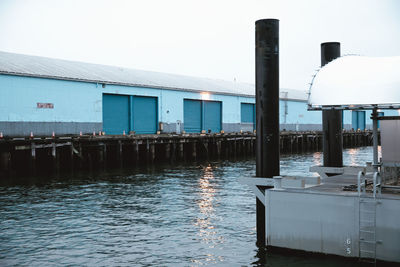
(44, 105)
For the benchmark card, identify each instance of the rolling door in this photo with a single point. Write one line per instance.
(212, 116)
(358, 120)
(144, 113)
(115, 114)
(247, 113)
(192, 121)
(380, 114)
(354, 120)
(361, 120)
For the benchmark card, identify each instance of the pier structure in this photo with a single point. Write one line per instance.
(58, 154)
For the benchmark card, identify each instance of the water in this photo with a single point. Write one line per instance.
(184, 215)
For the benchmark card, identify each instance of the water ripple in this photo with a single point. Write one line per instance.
(184, 215)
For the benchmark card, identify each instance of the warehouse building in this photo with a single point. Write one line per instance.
(45, 95)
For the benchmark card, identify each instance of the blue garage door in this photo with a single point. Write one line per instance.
(247, 112)
(380, 114)
(361, 120)
(354, 120)
(212, 116)
(115, 114)
(144, 114)
(358, 120)
(192, 116)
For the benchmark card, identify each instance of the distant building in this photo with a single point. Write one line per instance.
(42, 95)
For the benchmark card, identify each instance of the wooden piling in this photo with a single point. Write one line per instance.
(104, 156)
(32, 163)
(227, 147)
(136, 152)
(152, 153)
(90, 160)
(291, 144)
(181, 151)
(55, 159)
(219, 149)
(120, 154)
(88, 153)
(4, 163)
(71, 157)
(168, 151)
(206, 150)
(173, 153)
(80, 157)
(194, 154)
(234, 148)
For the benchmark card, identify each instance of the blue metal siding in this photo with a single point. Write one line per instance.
(144, 112)
(297, 113)
(115, 114)
(212, 116)
(80, 102)
(73, 101)
(192, 115)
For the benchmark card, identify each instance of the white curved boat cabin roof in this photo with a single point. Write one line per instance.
(356, 82)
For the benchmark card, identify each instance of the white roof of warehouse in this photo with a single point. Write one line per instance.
(26, 65)
(355, 82)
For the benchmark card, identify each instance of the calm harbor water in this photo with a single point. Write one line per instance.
(181, 215)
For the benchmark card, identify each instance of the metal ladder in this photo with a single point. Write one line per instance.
(367, 218)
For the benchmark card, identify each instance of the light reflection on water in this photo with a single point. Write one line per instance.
(184, 215)
(204, 222)
(353, 155)
(317, 158)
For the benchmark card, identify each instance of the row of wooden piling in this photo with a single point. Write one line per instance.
(292, 142)
(38, 156)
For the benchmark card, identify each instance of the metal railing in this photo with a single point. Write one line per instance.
(377, 184)
(362, 183)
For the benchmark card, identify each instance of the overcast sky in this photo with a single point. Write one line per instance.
(205, 38)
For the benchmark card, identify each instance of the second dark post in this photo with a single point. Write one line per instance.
(267, 109)
(332, 119)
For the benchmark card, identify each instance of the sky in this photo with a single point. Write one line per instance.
(207, 38)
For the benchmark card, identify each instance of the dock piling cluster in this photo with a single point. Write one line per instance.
(41, 155)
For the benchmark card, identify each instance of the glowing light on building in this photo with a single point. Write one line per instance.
(205, 96)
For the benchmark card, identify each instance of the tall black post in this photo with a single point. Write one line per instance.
(267, 109)
(332, 119)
